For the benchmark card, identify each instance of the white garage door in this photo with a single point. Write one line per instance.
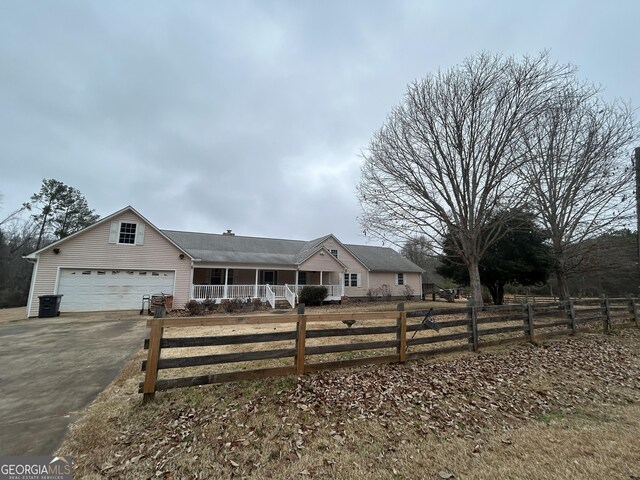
(91, 290)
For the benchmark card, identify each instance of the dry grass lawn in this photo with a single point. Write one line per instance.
(564, 409)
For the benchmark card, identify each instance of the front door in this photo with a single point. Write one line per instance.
(269, 277)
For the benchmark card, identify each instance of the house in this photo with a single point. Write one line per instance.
(111, 264)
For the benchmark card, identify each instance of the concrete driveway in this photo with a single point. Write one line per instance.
(52, 368)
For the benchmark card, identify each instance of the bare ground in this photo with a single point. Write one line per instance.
(565, 409)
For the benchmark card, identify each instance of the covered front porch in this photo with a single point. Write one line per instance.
(273, 286)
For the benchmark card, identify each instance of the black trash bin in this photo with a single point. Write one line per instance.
(49, 306)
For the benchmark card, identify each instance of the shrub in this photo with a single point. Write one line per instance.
(313, 295)
(209, 305)
(194, 307)
(384, 291)
(408, 292)
(256, 304)
(371, 295)
(230, 305)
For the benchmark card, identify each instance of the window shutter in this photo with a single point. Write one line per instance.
(113, 232)
(140, 234)
(358, 281)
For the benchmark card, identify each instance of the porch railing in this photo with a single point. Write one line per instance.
(290, 295)
(201, 292)
(271, 296)
(217, 292)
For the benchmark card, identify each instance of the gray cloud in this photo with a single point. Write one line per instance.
(250, 115)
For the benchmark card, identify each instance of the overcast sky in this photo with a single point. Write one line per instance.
(252, 115)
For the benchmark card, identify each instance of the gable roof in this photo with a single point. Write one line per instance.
(213, 247)
(323, 251)
(383, 259)
(35, 254)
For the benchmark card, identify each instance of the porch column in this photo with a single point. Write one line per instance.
(226, 282)
(320, 277)
(256, 293)
(191, 289)
(297, 271)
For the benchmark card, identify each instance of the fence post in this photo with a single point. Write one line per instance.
(529, 321)
(470, 311)
(572, 317)
(153, 355)
(401, 333)
(301, 330)
(635, 311)
(607, 313)
(474, 328)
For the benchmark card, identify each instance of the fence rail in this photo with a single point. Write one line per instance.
(387, 337)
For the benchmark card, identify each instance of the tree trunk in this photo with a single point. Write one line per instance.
(563, 288)
(474, 283)
(44, 224)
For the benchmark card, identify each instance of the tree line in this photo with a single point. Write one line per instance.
(54, 212)
(476, 154)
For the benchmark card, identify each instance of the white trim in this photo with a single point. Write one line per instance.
(34, 274)
(255, 292)
(56, 284)
(135, 235)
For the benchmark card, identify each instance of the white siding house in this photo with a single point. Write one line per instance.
(114, 262)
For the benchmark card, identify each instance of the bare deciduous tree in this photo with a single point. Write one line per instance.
(579, 172)
(446, 158)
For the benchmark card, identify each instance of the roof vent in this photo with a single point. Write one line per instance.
(228, 233)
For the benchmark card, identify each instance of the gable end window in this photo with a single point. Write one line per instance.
(127, 233)
(400, 279)
(334, 252)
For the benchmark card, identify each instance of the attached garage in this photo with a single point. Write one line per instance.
(88, 290)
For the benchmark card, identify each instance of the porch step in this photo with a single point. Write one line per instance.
(282, 304)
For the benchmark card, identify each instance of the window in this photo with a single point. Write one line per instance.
(351, 279)
(334, 252)
(127, 233)
(400, 279)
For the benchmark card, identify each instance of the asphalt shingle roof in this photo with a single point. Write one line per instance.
(211, 247)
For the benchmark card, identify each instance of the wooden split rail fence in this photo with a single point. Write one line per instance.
(373, 338)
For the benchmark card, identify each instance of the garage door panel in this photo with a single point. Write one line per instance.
(90, 289)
